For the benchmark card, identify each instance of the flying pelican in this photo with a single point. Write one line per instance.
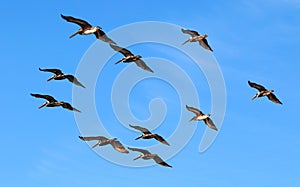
(264, 92)
(148, 135)
(200, 116)
(146, 155)
(129, 57)
(86, 28)
(59, 75)
(196, 37)
(51, 102)
(105, 141)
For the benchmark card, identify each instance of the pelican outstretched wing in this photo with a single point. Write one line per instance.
(194, 110)
(90, 138)
(210, 124)
(190, 32)
(142, 129)
(205, 44)
(119, 147)
(139, 150)
(256, 86)
(273, 98)
(102, 36)
(74, 80)
(160, 161)
(124, 51)
(55, 71)
(69, 106)
(161, 139)
(47, 97)
(140, 63)
(83, 24)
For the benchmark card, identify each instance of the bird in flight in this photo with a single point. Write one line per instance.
(129, 57)
(148, 135)
(262, 91)
(59, 75)
(51, 102)
(196, 37)
(86, 28)
(101, 141)
(146, 155)
(200, 116)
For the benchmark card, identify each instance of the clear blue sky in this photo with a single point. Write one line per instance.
(258, 144)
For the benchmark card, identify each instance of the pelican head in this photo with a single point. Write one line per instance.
(98, 28)
(138, 56)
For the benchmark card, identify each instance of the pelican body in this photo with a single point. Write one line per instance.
(86, 29)
(102, 141)
(51, 102)
(200, 116)
(196, 37)
(146, 155)
(59, 75)
(262, 91)
(148, 135)
(129, 57)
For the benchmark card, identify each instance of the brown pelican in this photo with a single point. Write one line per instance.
(58, 75)
(129, 57)
(263, 92)
(146, 155)
(86, 28)
(105, 141)
(51, 102)
(200, 116)
(196, 37)
(148, 135)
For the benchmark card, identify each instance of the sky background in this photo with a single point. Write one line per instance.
(258, 143)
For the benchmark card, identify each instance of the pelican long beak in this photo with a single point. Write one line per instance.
(51, 78)
(118, 61)
(138, 157)
(254, 97)
(139, 137)
(192, 119)
(43, 105)
(186, 42)
(74, 34)
(95, 145)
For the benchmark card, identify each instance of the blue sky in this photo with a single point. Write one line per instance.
(257, 145)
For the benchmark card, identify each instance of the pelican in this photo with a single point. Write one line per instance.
(263, 92)
(146, 155)
(105, 141)
(148, 135)
(200, 116)
(196, 37)
(51, 102)
(59, 75)
(86, 28)
(129, 57)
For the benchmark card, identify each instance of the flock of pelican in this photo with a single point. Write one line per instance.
(87, 29)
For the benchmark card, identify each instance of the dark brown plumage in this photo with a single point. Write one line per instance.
(59, 75)
(148, 135)
(262, 91)
(105, 141)
(196, 37)
(86, 28)
(146, 155)
(51, 102)
(129, 57)
(201, 116)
